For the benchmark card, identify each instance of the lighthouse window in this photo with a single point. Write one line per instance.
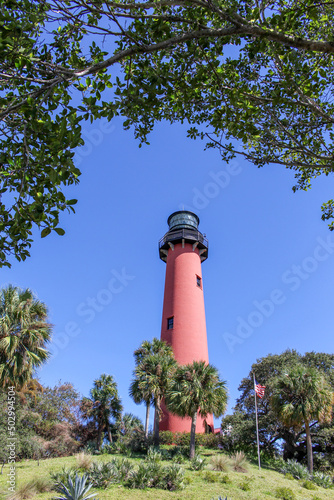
(199, 281)
(170, 323)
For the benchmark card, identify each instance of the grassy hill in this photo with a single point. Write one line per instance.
(206, 484)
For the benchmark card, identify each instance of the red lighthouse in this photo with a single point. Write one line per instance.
(184, 248)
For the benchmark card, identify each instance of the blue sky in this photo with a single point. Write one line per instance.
(267, 281)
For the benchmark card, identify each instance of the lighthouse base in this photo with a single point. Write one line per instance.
(173, 423)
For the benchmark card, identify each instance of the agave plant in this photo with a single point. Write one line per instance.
(76, 490)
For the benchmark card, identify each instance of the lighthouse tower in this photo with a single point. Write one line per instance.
(184, 248)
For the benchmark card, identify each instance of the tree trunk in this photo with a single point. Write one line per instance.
(309, 448)
(156, 426)
(147, 419)
(3, 464)
(109, 434)
(98, 439)
(192, 436)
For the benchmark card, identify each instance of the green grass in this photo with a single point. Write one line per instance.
(262, 484)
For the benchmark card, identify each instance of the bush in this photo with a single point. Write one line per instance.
(153, 475)
(239, 461)
(63, 475)
(210, 477)
(84, 461)
(297, 470)
(285, 493)
(75, 489)
(30, 489)
(197, 463)
(166, 437)
(219, 462)
(182, 439)
(322, 479)
(245, 485)
(141, 477)
(308, 485)
(208, 440)
(101, 474)
(153, 455)
(23, 492)
(173, 478)
(225, 479)
(121, 469)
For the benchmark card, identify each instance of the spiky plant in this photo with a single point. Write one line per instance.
(77, 490)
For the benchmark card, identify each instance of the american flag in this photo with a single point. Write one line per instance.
(259, 389)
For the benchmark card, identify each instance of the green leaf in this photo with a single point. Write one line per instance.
(45, 232)
(60, 231)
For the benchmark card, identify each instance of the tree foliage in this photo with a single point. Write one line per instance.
(196, 389)
(155, 364)
(302, 396)
(252, 78)
(24, 335)
(103, 405)
(239, 428)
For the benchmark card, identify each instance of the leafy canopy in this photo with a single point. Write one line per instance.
(251, 78)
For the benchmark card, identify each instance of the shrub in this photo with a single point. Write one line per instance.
(23, 492)
(210, 477)
(239, 461)
(153, 475)
(285, 493)
(166, 437)
(173, 478)
(101, 474)
(208, 440)
(219, 462)
(123, 448)
(30, 489)
(153, 455)
(121, 469)
(225, 479)
(148, 475)
(297, 470)
(308, 485)
(197, 463)
(62, 475)
(179, 458)
(165, 454)
(108, 448)
(289, 476)
(84, 461)
(182, 439)
(322, 479)
(179, 451)
(245, 485)
(75, 490)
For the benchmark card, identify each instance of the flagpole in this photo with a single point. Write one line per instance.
(257, 425)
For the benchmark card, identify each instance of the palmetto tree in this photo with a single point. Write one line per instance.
(154, 364)
(106, 405)
(196, 388)
(24, 334)
(140, 392)
(300, 397)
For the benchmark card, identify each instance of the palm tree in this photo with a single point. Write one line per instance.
(155, 363)
(140, 392)
(130, 424)
(106, 404)
(301, 396)
(196, 389)
(24, 334)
